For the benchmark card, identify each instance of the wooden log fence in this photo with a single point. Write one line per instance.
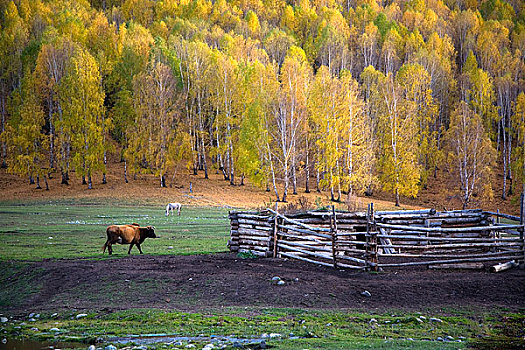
(374, 240)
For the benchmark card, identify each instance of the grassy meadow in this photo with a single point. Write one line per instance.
(35, 230)
(77, 229)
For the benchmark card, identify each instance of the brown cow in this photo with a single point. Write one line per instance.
(127, 234)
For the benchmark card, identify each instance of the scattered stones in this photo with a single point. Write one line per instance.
(433, 319)
(275, 335)
(170, 247)
(32, 320)
(189, 346)
(419, 320)
(54, 329)
(92, 347)
(55, 314)
(411, 339)
(208, 346)
(439, 339)
(276, 278)
(34, 329)
(449, 338)
(80, 316)
(3, 319)
(142, 347)
(110, 347)
(422, 317)
(31, 315)
(281, 283)
(366, 293)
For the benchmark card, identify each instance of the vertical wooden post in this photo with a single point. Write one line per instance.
(333, 233)
(275, 230)
(367, 239)
(373, 240)
(520, 230)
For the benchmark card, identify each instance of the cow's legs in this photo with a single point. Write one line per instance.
(110, 248)
(140, 250)
(130, 246)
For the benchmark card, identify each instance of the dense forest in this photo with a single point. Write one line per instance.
(346, 96)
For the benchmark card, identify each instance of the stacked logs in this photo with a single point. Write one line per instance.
(250, 232)
(350, 239)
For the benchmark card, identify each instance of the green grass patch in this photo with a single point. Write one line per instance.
(15, 290)
(298, 329)
(77, 229)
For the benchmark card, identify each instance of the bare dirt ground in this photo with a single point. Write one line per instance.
(200, 282)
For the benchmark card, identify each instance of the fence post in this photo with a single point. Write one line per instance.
(373, 238)
(275, 230)
(522, 214)
(333, 233)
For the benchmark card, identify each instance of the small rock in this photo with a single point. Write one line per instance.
(142, 347)
(291, 335)
(422, 317)
(189, 346)
(4, 340)
(411, 339)
(110, 347)
(208, 347)
(32, 320)
(37, 315)
(449, 338)
(34, 329)
(56, 330)
(281, 283)
(275, 335)
(276, 278)
(433, 319)
(23, 324)
(92, 347)
(170, 247)
(366, 293)
(3, 319)
(419, 320)
(80, 316)
(328, 324)
(190, 279)
(264, 335)
(31, 315)
(50, 237)
(55, 314)
(439, 339)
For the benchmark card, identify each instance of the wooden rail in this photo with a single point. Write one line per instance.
(380, 239)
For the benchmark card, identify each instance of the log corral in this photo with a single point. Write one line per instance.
(376, 240)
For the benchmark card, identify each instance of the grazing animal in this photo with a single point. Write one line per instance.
(171, 207)
(127, 234)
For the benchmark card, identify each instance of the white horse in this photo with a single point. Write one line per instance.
(172, 207)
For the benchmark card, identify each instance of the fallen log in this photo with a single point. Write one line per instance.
(464, 266)
(503, 266)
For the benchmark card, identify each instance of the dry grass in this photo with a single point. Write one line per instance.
(440, 193)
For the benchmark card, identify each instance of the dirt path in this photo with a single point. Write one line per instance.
(195, 283)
